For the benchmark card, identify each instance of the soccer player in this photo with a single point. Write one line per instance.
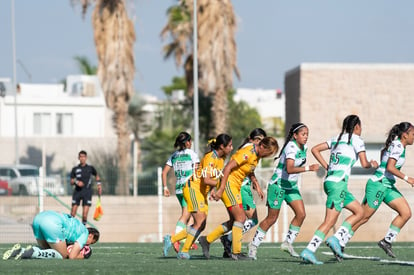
(53, 231)
(242, 164)
(345, 149)
(81, 178)
(184, 162)
(196, 191)
(381, 186)
(283, 187)
(249, 206)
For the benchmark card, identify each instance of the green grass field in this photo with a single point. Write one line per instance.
(146, 258)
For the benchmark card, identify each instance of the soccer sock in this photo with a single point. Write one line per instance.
(179, 226)
(258, 237)
(191, 235)
(45, 253)
(392, 233)
(343, 232)
(217, 232)
(249, 224)
(237, 237)
(348, 237)
(230, 236)
(316, 241)
(179, 236)
(292, 233)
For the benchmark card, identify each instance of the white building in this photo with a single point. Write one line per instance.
(270, 105)
(63, 122)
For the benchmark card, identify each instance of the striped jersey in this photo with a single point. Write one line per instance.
(280, 175)
(396, 151)
(343, 157)
(183, 163)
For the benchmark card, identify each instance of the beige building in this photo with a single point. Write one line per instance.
(321, 95)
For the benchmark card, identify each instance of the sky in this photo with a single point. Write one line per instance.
(273, 37)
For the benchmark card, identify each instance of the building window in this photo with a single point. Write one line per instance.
(373, 151)
(42, 124)
(64, 124)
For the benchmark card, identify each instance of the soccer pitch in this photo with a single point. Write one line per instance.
(146, 258)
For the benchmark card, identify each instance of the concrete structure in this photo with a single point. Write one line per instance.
(57, 121)
(270, 104)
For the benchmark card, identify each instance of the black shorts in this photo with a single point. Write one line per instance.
(84, 194)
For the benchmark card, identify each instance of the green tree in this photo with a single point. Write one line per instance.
(85, 66)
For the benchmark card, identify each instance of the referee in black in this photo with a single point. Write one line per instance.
(81, 177)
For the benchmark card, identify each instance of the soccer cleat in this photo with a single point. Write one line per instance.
(25, 253)
(227, 246)
(333, 243)
(11, 253)
(167, 245)
(387, 247)
(309, 257)
(194, 246)
(240, 257)
(183, 256)
(205, 246)
(176, 246)
(287, 247)
(252, 251)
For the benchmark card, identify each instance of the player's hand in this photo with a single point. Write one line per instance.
(314, 167)
(374, 164)
(80, 183)
(166, 192)
(217, 196)
(260, 193)
(410, 181)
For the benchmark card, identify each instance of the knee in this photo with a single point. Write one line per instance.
(301, 216)
(406, 215)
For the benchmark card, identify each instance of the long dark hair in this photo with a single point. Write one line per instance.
(348, 126)
(181, 139)
(396, 132)
(221, 139)
(294, 129)
(255, 133)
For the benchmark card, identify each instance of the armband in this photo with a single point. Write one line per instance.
(98, 182)
(406, 178)
(307, 168)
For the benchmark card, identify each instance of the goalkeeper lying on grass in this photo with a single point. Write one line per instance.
(53, 231)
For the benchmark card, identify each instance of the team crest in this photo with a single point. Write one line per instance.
(245, 157)
(376, 202)
(276, 203)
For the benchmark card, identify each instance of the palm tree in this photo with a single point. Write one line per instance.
(114, 38)
(85, 66)
(216, 50)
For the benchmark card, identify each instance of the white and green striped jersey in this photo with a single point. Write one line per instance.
(396, 151)
(183, 163)
(280, 175)
(343, 157)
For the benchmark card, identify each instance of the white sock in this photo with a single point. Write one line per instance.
(45, 253)
(291, 235)
(340, 234)
(314, 244)
(258, 237)
(391, 235)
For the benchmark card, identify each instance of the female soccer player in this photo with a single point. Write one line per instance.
(53, 231)
(242, 164)
(283, 187)
(197, 188)
(184, 161)
(249, 206)
(345, 150)
(381, 186)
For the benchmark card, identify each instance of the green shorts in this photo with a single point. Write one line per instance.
(181, 200)
(247, 197)
(276, 195)
(376, 193)
(338, 195)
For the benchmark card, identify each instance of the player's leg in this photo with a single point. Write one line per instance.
(398, 203)
(86, 204)
(75, 203)
(294, 200)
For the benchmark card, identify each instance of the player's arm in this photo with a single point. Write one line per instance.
(256, 185)
(393, 170)
(317, 153)
(164, 173)
(292, 169)
(75, 251)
